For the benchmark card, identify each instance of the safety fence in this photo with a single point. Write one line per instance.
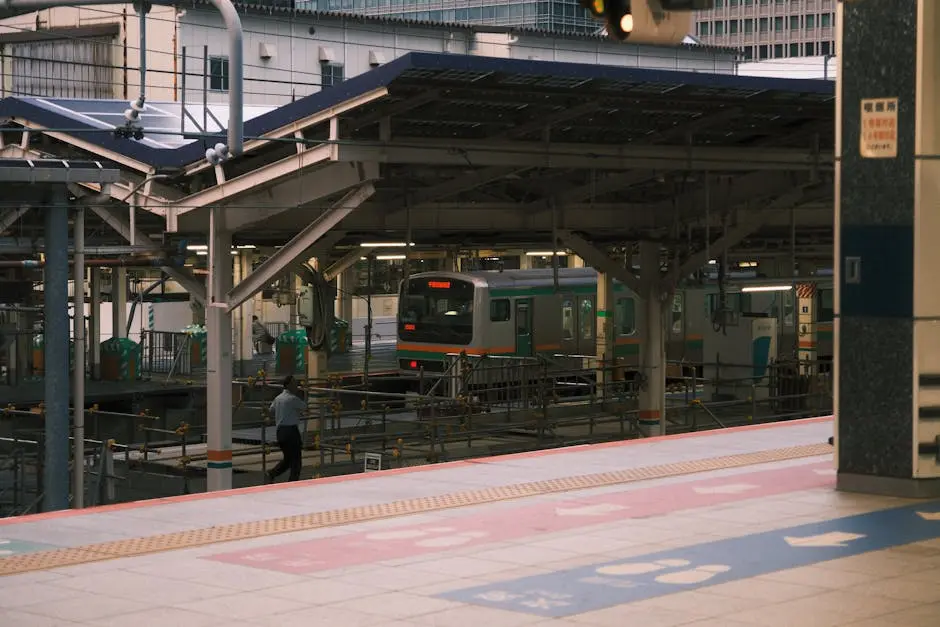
(478, 406)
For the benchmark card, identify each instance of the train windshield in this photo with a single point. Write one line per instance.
(436, 310)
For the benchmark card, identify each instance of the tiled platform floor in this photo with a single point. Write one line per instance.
(743, 546)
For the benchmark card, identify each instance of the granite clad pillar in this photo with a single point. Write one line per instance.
(887, 257)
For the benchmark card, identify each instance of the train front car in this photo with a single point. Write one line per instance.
(435, 317)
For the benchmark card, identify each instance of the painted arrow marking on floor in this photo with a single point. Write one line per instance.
(834, 538)
(731, 488)
(612, 583)
(590, 510)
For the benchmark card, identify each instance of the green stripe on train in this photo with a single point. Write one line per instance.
(548, 290)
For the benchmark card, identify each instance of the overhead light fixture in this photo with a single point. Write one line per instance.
(766, 288)
(385, 244)
(712, 262)
(390, 257)
(202, 252)
(197, 247)
(246, 247)
(747, 264)
(546, 253)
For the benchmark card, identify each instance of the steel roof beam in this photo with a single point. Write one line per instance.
(338, 267)
(462, 184)
(195, 287)
(292, 252)
(604, 157)
(550, 120)
(10, 217)
(392, 110)
(738, 233)
(600, 261)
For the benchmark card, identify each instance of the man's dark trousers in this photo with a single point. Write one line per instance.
(291, 445)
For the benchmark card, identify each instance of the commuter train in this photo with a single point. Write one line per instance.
(521, 313)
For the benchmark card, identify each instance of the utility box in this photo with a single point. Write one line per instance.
(39, 355)
(120, 359)
(197, 346)
(292, 352)
(738, 357)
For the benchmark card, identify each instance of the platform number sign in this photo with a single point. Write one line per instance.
(372, 462)
(879, 132)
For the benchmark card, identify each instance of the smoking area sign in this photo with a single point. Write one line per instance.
(879, 136)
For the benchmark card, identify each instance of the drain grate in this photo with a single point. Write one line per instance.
(43, 560)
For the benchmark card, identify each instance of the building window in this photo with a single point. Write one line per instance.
(719, 28)
(810, 49)
(748, 26)
(826, 20)
(778, 24)
(762, 52)
(733, 27)
(794, 22)
(778, 51)
(810, 22)
(764, 24)
(824, 47)
(794, 50)
(331, 74)
(218, 73)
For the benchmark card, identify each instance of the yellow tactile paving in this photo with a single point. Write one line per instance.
(242, 531)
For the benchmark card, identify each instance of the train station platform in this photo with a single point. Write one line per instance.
(732, 528)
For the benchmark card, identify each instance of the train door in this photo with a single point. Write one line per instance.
(587, 320)
(524, 343)
(569, 324)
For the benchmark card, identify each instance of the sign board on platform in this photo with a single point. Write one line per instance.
(879, 132)
(372, 462)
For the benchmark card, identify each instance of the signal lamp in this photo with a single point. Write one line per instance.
(596, 7)
(619, 19)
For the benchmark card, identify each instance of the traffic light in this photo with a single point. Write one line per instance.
(649, 17)
(616, 13)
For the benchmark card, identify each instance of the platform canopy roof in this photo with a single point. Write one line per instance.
(475, 149)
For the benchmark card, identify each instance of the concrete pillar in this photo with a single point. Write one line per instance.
(887, 305)
(56, 316)
(652, 407)
(94, 324)
(119, 302)
(241, 318)
(219, 357)
(606, 332)
(78, 376)
(344, 294)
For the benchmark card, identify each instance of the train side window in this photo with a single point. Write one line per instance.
(567, 320)
(626, 316)
(499, 310)
(587, 319)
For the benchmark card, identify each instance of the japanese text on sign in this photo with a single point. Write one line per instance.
(879, 136)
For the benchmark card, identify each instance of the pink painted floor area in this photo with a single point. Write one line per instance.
(526, 520)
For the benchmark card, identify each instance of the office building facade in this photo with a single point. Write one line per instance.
(557, 16)
(770, 29)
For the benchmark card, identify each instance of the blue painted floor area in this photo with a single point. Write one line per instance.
(600, 586)
(15, 547)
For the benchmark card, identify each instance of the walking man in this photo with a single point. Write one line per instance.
(288, 408)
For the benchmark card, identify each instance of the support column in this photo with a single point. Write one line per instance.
(78, 377)
(652, 407)
(118, 302)
(344, 295)
(94, 325)
(887, 306)
(241, 318)
(605, 333)
(56, 347)
(219, 356)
